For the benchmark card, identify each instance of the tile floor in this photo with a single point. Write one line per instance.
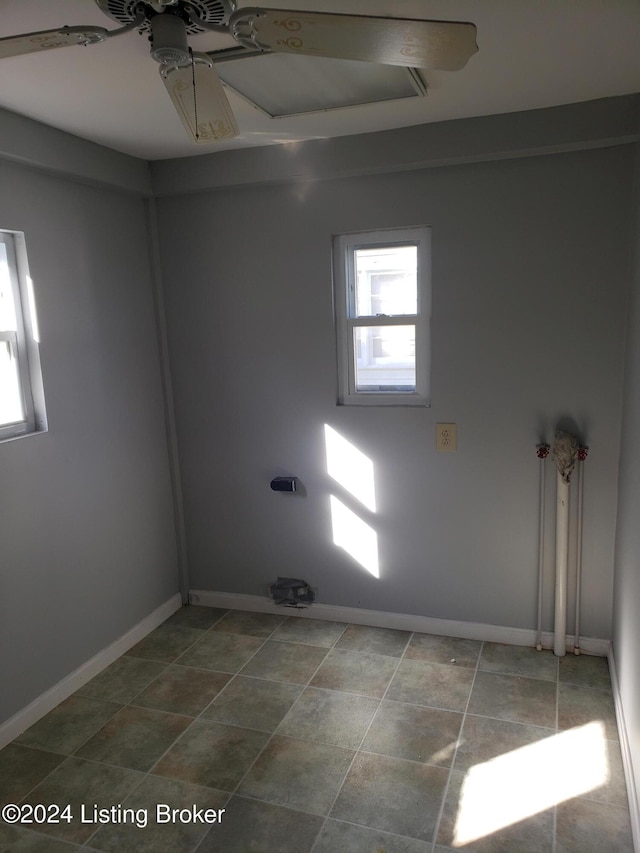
(320, 737)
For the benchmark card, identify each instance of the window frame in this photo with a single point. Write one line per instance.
(24, 341)
(347, 320)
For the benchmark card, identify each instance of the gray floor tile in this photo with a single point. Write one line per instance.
(166, 643)
(256, 827)
(251, 624)
(221, 652)
(193, 616)
(613, 788)
(182, 690)
(483, 739)
(338, 836)
(148, 802)
(134, 738)
(15, 839)
(488, 819)
(253, 703)
(22, 768)
(313, 632)
(352, 672)
(294, 663)
(421, 734)
(122, 680)
(445, 650)
(583, 826)
(212, 754)
(331, 717)
(398, 796)
(298, 773)
(519, 660)
(375, 641)
(580, 705)
(511, 697)
(431, 684)
(83, 784)
(585, 671)
(69, 725)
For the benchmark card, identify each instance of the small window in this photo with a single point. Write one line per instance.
(382, 317)
(21, 394)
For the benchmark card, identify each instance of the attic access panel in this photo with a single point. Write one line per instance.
(283, 85)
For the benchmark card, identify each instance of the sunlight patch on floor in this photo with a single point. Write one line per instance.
(529, 780)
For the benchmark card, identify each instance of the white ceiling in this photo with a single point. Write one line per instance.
(532, 54)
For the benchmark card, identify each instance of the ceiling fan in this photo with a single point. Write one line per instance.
(191, 78)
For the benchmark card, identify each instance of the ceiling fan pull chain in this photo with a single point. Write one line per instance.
(195, 97)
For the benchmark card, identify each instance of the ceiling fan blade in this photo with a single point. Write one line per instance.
(204, 108)
(48, 39)
(443, 45)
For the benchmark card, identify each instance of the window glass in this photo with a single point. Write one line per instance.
(7, 307)
(11, 408)
(385, 358)
(386, 281)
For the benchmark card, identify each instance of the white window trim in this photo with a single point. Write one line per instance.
(24, 341)
(344, 247)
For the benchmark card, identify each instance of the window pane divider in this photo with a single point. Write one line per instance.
(385, 320)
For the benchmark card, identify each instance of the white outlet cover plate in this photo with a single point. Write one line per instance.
(446, 438)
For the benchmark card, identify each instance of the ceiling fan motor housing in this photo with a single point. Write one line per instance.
(169, 40)
(211, 11)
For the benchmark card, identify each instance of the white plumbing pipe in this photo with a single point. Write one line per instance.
(542, 451)
(562, 559)
(582, 455)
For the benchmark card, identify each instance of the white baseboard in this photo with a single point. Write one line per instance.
(403, 621)
(48, 700)
(625, 747)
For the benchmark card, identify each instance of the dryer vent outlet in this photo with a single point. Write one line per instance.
(292, 592)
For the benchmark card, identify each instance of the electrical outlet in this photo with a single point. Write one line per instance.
(446, 438)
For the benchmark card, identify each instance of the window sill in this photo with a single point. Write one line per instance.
(5, 439)
(386, 400)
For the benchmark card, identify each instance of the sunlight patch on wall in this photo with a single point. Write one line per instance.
(35, 329)
(530, 780)
(350, 467)
(357, 537)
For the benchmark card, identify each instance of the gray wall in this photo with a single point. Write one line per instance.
(529, 283)
(626, 612)
(87, 547)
